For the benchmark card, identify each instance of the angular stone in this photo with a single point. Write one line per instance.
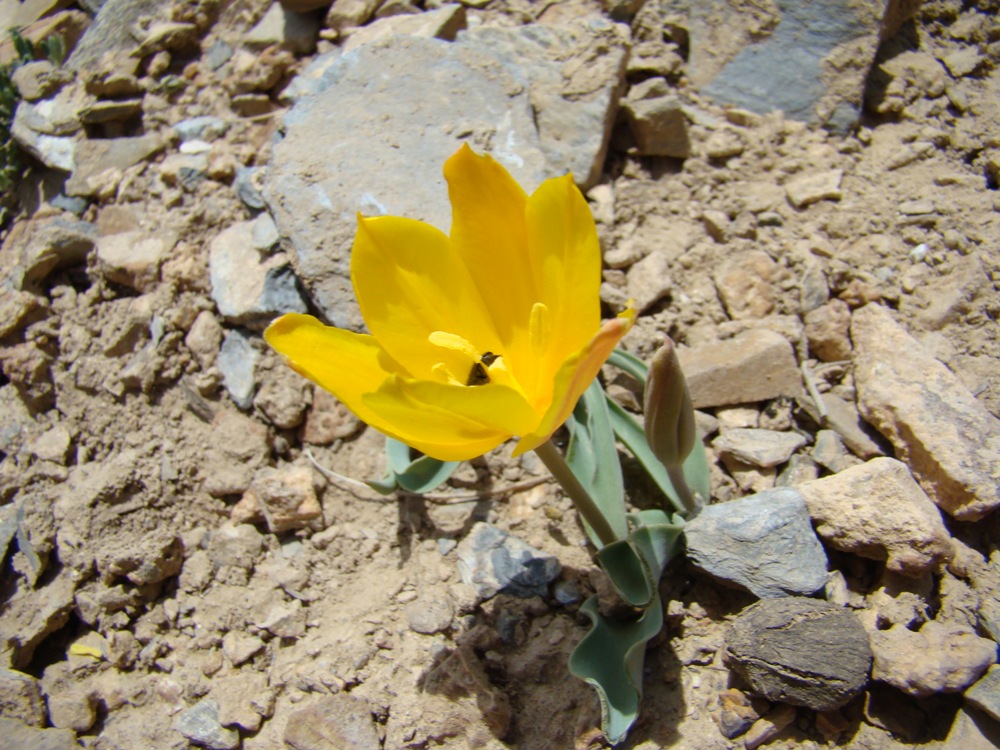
(237, 363)
(94, 158)
(429, 615)
(440, 23)
(648, 281)
(240, 647)
(58, 244)
(764, 448)
(744, 284)
(246, 287)
(245, 700)
(843, 418)
(110, 32)
(37, 79)
(284, 497)
(21, 698)
(764, 543)
(659, 126)
(938, 658)
(494, 561)
(757, 365)
(24, 737)
(201, 725)
(328, 420)
(878, 511)
(827, 329)
(985, 694)
(800, 651)
(295, 32)
(132, 259)
(336, 722)
(811, 188)
(948, 438)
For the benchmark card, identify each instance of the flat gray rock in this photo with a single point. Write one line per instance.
(800, 651)
(237, 359)
(764, 543)
(763, 448)
(380, 121)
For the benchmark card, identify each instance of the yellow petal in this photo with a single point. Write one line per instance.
(563, 243)
(450, 422)
(488, 231)
(410, 283)
(575, 376)
(346, 364)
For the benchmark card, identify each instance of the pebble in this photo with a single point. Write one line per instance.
(648, 281)
(827, 331)
(811, 188)
(800, 651)
(203, 128)
(830, 453)
(237, 361)
(764, 543)
(336, 722)
(247, 186)
(769, 726)
(133, 259)
(842, 416)
(763, 448)
(877, 510)
(295, 32)
(240, 647)
(244, 699)
(283, 497)
(264, 233)
(735, 714)
(938, 658)
(430, 614)
(52, 445)
(948, 438)
(201, 725)
(985, 694)
(757, 365)
(658, 124)
(744, 284)
(22, 697)
(494, 561)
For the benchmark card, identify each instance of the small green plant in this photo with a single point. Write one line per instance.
(12, 161)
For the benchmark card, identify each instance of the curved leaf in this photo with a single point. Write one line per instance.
(610, 658)
(422, 474)
(593, 458)
(630, 364)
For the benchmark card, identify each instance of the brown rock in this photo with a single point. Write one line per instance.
(20, 698)
(648, 281)
(337, 722)
(744, 285)
(936, 659)
(812, 188)
(947, 437)
(757, 365)
(245, 700)
(827, 330)
(878, 511)
(284, 497)
(133, 259)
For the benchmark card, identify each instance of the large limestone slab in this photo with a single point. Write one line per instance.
(383, 118)
(948, 438)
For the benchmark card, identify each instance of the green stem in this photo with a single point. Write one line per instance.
(680, 484)
(584, 503)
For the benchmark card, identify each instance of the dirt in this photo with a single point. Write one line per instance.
(127, 543)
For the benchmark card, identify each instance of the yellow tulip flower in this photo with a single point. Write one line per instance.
(490, 333)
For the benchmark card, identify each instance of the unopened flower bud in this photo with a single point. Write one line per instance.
(670, 427)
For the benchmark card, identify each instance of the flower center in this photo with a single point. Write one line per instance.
(479, 375)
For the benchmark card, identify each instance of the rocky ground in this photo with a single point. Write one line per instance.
(181, 563)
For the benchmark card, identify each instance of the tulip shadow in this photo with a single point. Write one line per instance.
(423, 518)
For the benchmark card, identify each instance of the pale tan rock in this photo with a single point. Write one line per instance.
(812, 188)
(20, 698)
(744, 285)
(877, 510)
(52, 445)
(757, 365)
(245, 700)
(441, 23)
(948, 438)
(344, 14)
(648, 281)
(936, 659)
(827, 330)
(133, 259)
(204, 338)
(285, 498)
(240, 647)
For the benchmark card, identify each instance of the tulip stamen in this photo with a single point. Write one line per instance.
(479, 375)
